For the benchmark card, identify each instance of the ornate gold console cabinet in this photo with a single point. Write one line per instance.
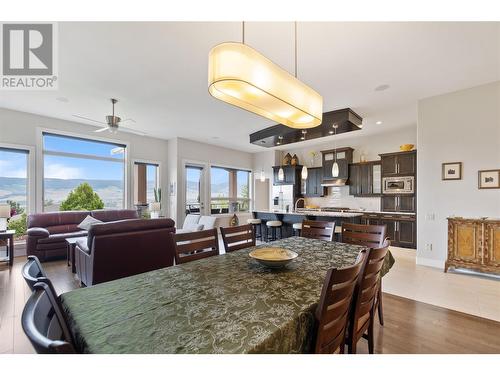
(474, 244)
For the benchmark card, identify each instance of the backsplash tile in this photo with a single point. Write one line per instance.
(338, 196)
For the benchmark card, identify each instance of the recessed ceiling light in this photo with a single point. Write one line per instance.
(378, 122)
(382, 87)
(62, 99)
(215, 137)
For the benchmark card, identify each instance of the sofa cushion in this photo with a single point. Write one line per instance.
(88, 222)
(60, 237)
(190, 219)
(114, 215)
(208, 222)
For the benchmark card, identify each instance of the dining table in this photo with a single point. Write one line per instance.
(222, 304)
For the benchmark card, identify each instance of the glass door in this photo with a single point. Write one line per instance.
(194, 189)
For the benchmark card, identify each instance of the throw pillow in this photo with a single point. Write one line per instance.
(88, 222)
(194, 227)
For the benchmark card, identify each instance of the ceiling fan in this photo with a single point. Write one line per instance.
(113, 122)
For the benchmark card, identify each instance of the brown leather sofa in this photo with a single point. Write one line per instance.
(124, 248)
(47, 232)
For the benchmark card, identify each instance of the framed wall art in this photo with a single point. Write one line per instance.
(489, 179)
(451, 171)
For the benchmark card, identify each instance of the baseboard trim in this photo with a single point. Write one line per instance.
(436, 263)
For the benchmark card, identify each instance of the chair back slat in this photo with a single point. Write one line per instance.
(44, 322)
(332, 313)
(237, 238)
(320, 230)
(32, 270)
(371, 236)
(366, 290)
(195, 245)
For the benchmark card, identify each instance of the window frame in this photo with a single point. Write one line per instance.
(30, 173)
(40, 162)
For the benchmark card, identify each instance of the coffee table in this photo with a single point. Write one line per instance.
(70, 253)
(9, 236)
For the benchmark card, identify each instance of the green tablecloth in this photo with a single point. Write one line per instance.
(223, 304)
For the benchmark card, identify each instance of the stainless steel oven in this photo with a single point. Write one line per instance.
(398, 185)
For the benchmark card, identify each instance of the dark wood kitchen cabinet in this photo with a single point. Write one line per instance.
(313, 182)
(364, 179)
(291, 175)
(399, 163)
(398, 203)
(401, 229)
(344, 158)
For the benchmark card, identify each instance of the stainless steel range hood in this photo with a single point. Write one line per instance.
(335, 182)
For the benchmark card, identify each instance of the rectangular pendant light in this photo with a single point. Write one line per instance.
(241, 76)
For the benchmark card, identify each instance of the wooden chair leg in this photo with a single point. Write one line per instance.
(379, 305)
(370, 333)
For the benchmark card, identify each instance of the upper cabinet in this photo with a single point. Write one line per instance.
(344, 158)
(313, 186)
(399, 163)
(291, 175)
(365, 179)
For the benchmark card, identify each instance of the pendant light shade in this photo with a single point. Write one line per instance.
(281, 174)
(262, 176)
(241, 76)
(335, 169)
(304, 173)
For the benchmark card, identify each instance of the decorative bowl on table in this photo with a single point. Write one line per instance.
(406, 147)
(273, 257)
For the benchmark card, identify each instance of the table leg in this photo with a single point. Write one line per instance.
(72, 252)
(67, 254)
(11, 250)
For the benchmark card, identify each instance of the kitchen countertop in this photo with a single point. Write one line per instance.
(352, 213)
(315, 213)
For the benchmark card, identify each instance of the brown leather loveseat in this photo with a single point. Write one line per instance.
(47, 232)
(124, 248)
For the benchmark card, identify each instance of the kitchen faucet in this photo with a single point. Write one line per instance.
(296, 203)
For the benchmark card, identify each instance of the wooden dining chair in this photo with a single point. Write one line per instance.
(237, 238)
(195, 245)
(320, 230)
(32, 271)
(363, 308)
(372, 236)
(332, 314)
(44, 322)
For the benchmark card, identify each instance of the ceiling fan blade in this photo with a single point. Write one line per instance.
(89, 119)
(129, 119)
(138, 132)
(100, 130)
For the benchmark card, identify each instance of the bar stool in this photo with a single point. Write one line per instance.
(256, 223)
(273, 225)
(297, 228)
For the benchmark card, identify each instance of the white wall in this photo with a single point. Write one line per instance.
(370, 146)
(21, 128)
(459, 126)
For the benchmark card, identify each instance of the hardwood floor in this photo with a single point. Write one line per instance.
(410, 326)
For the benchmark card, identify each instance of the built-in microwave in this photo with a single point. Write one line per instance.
(398, 185)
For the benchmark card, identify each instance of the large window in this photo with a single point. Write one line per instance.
(229, 190)
(14, 179)
(68, 162)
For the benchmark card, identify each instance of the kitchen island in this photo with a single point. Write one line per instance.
(291, 217)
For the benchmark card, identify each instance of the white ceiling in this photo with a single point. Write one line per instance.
(158, 71)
